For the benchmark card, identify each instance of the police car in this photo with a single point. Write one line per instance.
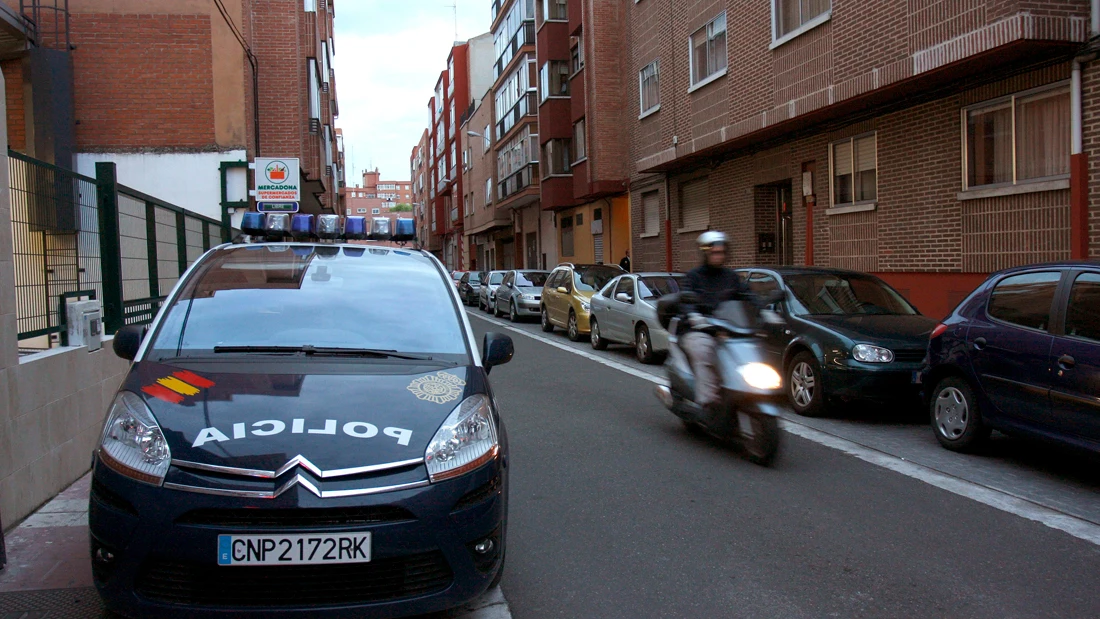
(307, 430)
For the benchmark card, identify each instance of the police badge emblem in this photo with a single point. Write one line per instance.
(439, 388)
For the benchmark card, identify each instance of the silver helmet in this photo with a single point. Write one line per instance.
(710, 238)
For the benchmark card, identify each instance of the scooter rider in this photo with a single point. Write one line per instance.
(711, 283)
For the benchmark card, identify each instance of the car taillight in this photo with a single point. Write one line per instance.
(939, 330)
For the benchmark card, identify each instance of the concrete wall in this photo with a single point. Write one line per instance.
(189, 180)
(52, 404)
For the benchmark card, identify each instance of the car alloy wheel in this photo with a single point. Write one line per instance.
(805, 389)
(956, 419)
(574, 331)
(547, 326)
(803, 383)
(513, 314)
(643, 349)
(598, 343)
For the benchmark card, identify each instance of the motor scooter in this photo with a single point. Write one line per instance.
(751, 395)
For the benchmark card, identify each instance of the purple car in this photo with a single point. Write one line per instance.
(1021, 355)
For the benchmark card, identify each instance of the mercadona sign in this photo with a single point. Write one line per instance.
(277, 180)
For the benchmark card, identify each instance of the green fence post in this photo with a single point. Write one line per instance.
(181, 242)
(151, 249)
(110, 250)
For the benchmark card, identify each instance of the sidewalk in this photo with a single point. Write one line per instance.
(49, 570)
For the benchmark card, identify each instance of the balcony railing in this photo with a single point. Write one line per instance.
(527, 105)
(523, 36)
(454, 214)
(518, 181)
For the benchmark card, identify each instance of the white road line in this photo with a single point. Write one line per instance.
(1077, 527)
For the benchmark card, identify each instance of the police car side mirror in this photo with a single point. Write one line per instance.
(496, 349)
(128, 341)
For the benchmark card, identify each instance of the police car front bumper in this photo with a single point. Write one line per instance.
(153, 557)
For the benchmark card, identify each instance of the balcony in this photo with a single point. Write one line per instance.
(524, 36)
(527, 105)
(518, 181)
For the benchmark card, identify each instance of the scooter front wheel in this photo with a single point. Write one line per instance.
(759, 437)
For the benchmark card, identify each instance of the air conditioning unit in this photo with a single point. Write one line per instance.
(85, 322)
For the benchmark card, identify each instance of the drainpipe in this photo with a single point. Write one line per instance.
(1078, 170)
(668, 226)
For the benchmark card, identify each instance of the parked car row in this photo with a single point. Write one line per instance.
(1021, 354)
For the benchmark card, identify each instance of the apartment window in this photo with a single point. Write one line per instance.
(361, 211)
(580, 141)
(554, 79)
(567, 236)
(376, 211)
(708, 51)
(556, 158)
(314, 90)
(651, 212)
(466, 159)
(488, 192)
(855, 170)
(555, 10)
(790, 16)
(576, 53)
(487, 137)
(310, 6)
(694, 206)
(649, 91)
(1020, 138)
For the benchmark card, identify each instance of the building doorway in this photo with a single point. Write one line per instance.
(784, 223)
(532, 250)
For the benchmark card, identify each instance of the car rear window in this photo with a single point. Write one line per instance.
(1025, 299)
(1083, 316)
(495, 279)
(320, 296)
(591, 279)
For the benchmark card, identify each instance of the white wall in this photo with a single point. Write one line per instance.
(482, 59)
(190, 180)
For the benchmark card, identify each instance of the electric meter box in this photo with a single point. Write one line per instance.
(85, 321)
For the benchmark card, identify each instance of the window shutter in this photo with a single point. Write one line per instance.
(694, 205)
(842, 159)
(651, 207)
(865, 154)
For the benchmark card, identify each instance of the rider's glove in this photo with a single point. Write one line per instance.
(696, 320)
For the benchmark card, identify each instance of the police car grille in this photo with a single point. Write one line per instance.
(294, 518)
(297, 585)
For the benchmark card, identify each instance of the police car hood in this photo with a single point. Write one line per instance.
(254, 420)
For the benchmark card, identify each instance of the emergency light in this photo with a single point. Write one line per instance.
(404, 230)
(329, 227)
(355, 228)
(380, 229)
(276, 226)
(301, 227)
(253, 224)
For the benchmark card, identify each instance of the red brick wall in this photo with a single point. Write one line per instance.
(13, 94)
(143, 82)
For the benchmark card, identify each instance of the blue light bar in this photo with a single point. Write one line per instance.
(252, 224)
(301, 227)
(355, 228)
(404, 230)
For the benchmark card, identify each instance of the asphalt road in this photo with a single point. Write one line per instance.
(618, 511)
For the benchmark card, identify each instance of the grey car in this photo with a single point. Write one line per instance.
(490, 280)
(625, 312)
(520, 294)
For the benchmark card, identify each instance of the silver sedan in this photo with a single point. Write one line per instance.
(520, 294)
(625, 312)
(487, 295)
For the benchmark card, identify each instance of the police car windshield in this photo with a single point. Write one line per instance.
(307, 296)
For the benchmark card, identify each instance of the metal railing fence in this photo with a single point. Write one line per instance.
(77, 236)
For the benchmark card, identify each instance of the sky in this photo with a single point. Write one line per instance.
(389, 54)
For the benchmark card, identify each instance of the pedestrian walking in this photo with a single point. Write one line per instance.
(625, 262)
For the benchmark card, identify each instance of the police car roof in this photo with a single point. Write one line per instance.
(349, 250)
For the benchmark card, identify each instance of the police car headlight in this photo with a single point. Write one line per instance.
(466, 440)
(760, 376)
(133, 443)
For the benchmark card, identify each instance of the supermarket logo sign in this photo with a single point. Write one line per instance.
(277, 180)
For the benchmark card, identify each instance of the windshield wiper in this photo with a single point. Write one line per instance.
(322, 351)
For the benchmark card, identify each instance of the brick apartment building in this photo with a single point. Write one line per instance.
(468, 72)
(488, 226)
(928, 142)
(179, 118)
(583, 127)
(421, 174)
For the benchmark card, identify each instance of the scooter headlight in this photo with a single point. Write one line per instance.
(760, 376)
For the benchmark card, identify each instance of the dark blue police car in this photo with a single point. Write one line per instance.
(307, 429)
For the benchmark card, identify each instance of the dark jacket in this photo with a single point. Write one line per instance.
(712, 286)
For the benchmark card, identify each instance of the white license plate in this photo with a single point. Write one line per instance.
(293, 549)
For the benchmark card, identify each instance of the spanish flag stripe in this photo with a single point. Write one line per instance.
(194, 379)
(178, 386)
(163, 394)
